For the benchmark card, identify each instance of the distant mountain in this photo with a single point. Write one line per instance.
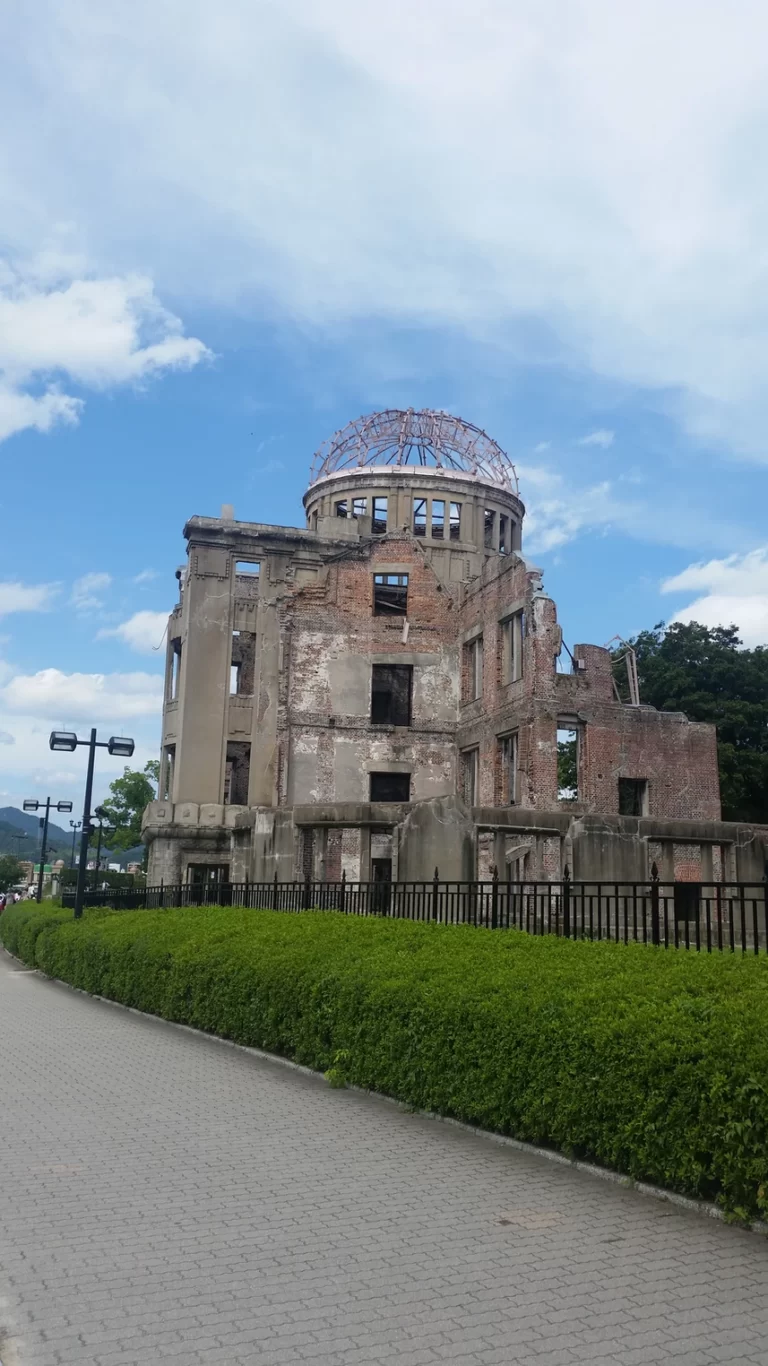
(13, 822)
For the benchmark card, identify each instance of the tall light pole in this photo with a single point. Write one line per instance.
(75, 827)
(116, 744)
(46, 806)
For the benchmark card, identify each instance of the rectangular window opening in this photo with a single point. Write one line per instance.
(165, 786)
(567, 762)
(243, 663)
(455, 521)
(438, 519)
(512, 638)
(207, 874)
(390, 787)
(633, 796)
(473, 669)
(379, 521)
(419, 516)
(249, 568)
(391, 691)
(503, 535)
(175, 678)
(359, 507)
(237, 773)
(341, 508)
(390, 595)
(508, 769)
(490, 524)
(470, 771)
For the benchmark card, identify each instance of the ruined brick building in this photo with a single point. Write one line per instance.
(381, 691)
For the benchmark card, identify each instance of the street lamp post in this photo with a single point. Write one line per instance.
(46, 806)
(75, 827)
(116, 744)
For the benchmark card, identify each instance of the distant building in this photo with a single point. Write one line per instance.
(378, 692)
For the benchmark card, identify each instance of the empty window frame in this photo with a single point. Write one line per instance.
(512, 638)
(503, 534)
(379, 521)
(507, 769)
(390, 787)
(489, 528)
(359, 507)
(341, 509)
(420, 516)
(455, 521)
(237, 773)
(438, 519)
(473, 669)
(390, 595)
(391, 691)
(567, 762)
(248, 568)
(234, 680)
(165, 786)
(174, 676)
(242, 664)
(633, 796)
(470, 775)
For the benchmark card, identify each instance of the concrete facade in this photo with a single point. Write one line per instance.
(380, 692)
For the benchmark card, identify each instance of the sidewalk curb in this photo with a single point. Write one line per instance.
(700, 1207)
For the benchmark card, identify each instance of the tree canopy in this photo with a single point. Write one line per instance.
(11, 872)
(704, 672)
(125, 806)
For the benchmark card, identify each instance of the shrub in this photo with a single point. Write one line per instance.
(651, 1061)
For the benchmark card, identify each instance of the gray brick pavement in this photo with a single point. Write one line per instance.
(164, 1199)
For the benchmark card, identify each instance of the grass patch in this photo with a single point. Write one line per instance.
(649, 1061)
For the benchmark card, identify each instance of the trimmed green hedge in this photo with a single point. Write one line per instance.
(650, 1061)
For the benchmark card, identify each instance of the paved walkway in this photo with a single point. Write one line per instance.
(164, 1198)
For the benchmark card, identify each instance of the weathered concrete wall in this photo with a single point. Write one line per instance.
(438, 833)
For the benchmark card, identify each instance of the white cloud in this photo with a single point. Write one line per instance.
(557, 512)
(146, 576)
(86, 590)
(61, 698)
(144, 631)
(95, 332)
(22, 597)
(514, 160)
(731, 591)
(601, 438)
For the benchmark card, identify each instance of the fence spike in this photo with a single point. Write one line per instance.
(654, 871)
(566, 874)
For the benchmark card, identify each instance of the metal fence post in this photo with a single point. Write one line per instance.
(566, 902)
(307, 899)
(343, 892)
(494, 898)
(435, 893)
(162, 895)
(274, 893)
(655, 929)
(246, 894)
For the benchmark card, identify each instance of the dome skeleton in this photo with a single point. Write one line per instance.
(406, 437)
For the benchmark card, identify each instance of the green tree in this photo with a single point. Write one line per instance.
(11, 872)
(705, 673)
(124, 808)
(567, 773)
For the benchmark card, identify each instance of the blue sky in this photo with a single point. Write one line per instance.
(226, 231)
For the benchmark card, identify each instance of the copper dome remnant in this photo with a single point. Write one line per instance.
(408, 437)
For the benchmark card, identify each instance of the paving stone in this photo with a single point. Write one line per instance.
(166, 1199)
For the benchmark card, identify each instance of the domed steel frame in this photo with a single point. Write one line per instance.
(408, 437)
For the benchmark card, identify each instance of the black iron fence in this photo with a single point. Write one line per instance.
(728, 916)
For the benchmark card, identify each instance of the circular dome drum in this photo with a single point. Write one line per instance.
(407, 437)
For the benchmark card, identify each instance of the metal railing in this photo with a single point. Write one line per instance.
(724, 916)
